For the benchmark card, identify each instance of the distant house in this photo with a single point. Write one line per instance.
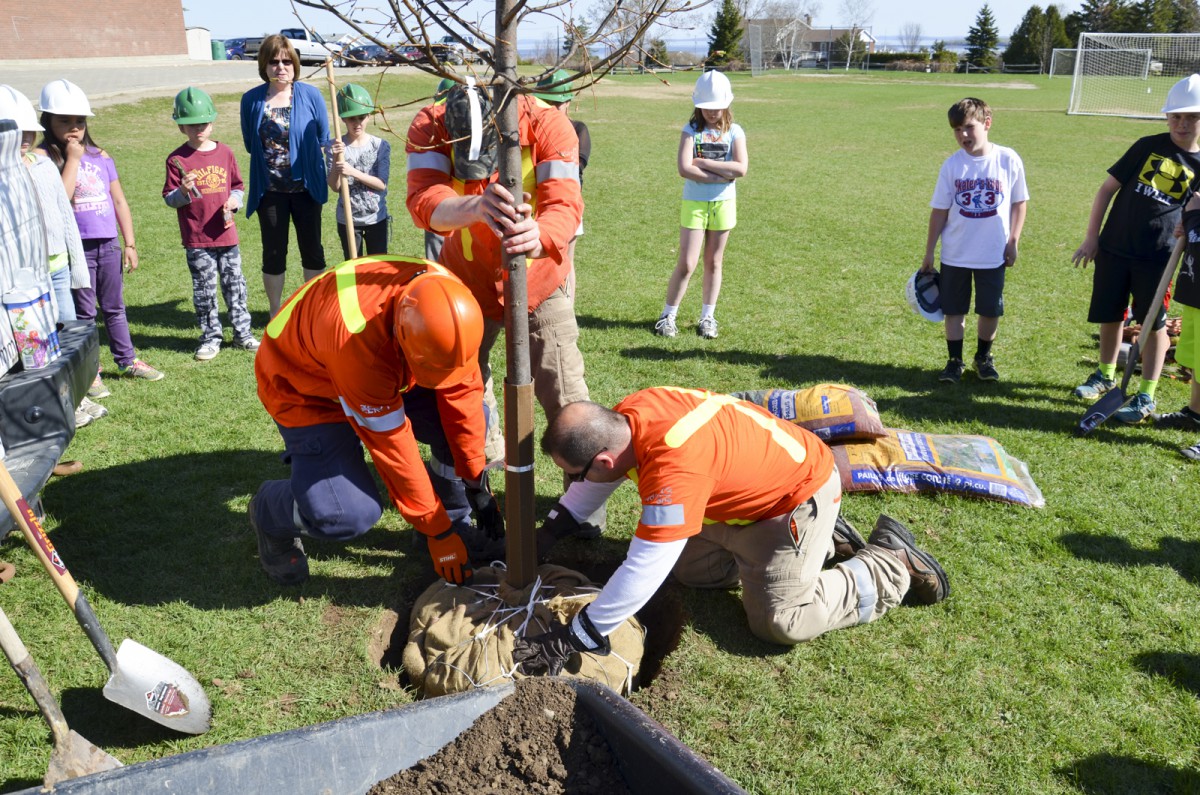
(791, 42)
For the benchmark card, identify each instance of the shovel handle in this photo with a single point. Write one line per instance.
(31, 677)
(1152, 311)
(40, 543)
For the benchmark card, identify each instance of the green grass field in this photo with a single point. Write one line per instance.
(1067, 658)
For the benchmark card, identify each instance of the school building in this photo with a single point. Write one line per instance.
(90, 29)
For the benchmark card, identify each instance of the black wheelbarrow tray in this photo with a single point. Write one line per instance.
(350, 755)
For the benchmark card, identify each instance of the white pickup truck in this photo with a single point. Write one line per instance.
(308, 45)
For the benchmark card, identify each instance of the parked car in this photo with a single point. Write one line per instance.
(309, 45)
(366, 54)
(235, 49)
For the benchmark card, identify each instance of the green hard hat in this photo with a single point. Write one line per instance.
(354, 100)
(443, 88)
(546, 90)
(193, 106)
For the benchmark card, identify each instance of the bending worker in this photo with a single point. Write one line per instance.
(729, 494)
(379, 351)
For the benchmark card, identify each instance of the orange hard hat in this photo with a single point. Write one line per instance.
(439, 327)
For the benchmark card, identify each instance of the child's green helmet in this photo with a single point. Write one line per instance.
(547, 91)
(354, 100)
(193, 106)
(443, 88)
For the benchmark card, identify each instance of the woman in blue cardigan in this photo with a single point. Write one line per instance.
(284, 127)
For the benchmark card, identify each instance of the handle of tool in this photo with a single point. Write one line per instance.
(194, 192)
(52, 562)
(31, 677)
(1152, 311)
(344, 186)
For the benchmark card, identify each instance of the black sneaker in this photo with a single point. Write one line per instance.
(985, 369)
(929, 583)
(283, 559)
(953, 372)
(1183, 419)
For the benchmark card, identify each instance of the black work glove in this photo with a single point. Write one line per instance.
(487, 512)
(559, 524)
(546, 654)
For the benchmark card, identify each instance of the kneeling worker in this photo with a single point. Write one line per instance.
(729, 494)
(379, 352)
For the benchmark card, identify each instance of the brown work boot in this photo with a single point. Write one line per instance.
(846, 542)
(930, 584)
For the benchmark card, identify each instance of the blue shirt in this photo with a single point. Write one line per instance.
(308, 133)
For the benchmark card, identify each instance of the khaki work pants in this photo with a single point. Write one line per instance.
(787, 595)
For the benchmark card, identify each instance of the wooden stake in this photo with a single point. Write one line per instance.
(343, 185)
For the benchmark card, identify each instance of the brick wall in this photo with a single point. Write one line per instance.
(90, 28)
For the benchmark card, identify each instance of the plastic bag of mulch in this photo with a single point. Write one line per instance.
(462, 636)
(906, 461)
(831, 411)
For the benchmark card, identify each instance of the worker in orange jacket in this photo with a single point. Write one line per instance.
(730, 494)
(379, 353)
(453, 190)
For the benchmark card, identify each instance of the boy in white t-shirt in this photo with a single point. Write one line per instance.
(978, 213)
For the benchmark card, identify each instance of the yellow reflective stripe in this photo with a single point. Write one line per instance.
(347, 293)
(687, 425)
(529, 176)
(275, 327)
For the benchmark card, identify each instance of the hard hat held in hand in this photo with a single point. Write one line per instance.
(1184, 96)
(194, 106)
(439, 327)
(16, 106)
(354, 100)
(924, 296)
(712, 91)
(64, 98)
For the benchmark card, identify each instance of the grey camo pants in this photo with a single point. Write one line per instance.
(208, 266)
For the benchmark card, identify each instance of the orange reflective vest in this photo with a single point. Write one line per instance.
(706, 457)
(331, 355)
(550, 175)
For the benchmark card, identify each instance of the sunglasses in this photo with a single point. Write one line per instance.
(281, 62)
(581, 475)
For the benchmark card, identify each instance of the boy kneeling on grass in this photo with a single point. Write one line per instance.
(978, 213)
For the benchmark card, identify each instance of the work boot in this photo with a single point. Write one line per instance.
(847, 541)
(283, 559)
(930, 584)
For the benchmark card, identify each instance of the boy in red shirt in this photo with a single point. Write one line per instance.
(203, 183)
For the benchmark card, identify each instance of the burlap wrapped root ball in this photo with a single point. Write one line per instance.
(461, 636)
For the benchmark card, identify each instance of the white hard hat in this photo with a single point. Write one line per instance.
(16, 106)
(712, 91)
(924, 296)
(64, 98)
(1184, 96)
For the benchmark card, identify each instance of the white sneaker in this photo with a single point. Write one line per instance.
(93, 409)
(246, 343)
(707, 328)
(208, 350)
(665, 327)
(82, 418)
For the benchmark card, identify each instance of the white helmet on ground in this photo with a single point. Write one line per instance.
(16, 106)
(65, 99)
(924, 296)
(1184, 96)
(712, 91)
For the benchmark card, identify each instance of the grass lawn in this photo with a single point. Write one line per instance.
(1067, 658)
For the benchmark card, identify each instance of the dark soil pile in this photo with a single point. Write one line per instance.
(534, 741)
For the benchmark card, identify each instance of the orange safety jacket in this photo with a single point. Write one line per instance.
(331, 355)
(549, 174)
(704, 457)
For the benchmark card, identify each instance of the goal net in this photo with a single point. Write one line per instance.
(1129, 74)
(755, 46)
(1062, 62)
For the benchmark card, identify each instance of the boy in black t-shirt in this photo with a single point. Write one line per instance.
(1152, 181)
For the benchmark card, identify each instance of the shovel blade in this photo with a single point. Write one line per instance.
(77, 757)
(1101, 410)
(157, 688)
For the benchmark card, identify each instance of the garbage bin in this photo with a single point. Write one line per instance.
(218, 50)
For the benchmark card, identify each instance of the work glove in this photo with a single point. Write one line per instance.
(559, 524)
(487, 513)
(546, 654)
(450, 559)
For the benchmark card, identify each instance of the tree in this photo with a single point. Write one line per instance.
(910, 36)
(1036, 37)
(1150, 16)
(857, 13)
(657, 57)
(1187, 16)
(786, 35)
(725, 35)
(982, 39)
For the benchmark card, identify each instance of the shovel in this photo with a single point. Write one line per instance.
(140, 679)
(73, 755)
(1114, 399)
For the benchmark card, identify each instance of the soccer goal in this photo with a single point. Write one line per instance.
(1062, 62)
(1129, 74)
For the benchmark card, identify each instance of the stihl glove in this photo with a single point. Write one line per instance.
(546, 654)
(487, 513)
(450, 559)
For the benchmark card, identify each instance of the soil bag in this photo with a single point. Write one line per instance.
(906, 461)
(831, 411)
(461, 636)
